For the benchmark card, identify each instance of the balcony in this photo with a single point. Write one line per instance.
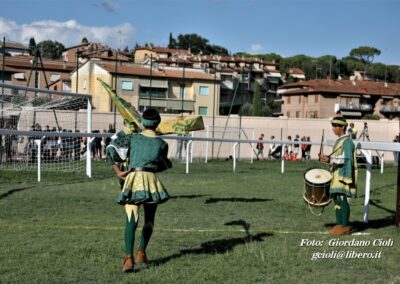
(172, 104)
(356, 107)
(390, 109)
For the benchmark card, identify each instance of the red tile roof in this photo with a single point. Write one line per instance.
(296, 71)
(25, 62)
(165, 50)
(14, 45)
(342, 86)
(145, 72)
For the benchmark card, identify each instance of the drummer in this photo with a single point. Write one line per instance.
(344, 175)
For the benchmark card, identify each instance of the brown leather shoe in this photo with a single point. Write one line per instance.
(128, 264)
(141, 256)
(334, 229)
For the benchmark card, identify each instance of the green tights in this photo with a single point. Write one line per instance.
(342, 209)
(131, 225)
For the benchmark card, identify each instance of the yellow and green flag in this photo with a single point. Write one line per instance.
(174, 125)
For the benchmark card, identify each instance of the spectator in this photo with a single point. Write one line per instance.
(260, 146)
(296, 147)
(365, 133)
(308, 149)
(396, 155)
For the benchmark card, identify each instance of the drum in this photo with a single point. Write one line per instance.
(316, 188)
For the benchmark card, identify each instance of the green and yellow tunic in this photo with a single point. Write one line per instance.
(147, 154)
(117, 151)
(344, 167)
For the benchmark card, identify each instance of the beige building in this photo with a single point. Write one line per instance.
(144, 87)
(158, 53)
(353, 99)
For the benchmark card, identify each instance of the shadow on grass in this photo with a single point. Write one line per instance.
(188, 196)
(375, 203)
(236, 199)
(219, 246)
(372, 224)
(8, 193)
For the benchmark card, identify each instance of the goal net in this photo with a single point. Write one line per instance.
(43, 128)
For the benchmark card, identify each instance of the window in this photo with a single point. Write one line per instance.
(288, 100)
(288, 114)
(297, 114)
(203, 91)
(126, 85)
(299, 99)
(316, 98)
(203, 110)
(305, 99)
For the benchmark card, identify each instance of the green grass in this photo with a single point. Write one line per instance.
(220, 227)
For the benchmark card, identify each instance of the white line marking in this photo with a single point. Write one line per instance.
(191, 230)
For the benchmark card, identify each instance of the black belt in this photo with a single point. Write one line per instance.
(151, 170)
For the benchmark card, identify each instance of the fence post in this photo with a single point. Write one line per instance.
(234, 156)
(189, 144)
(283, 159)
(368, 157)
(38, 143)
(208, 131)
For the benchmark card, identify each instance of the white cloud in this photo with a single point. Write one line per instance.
(256, 48)
(68, 33)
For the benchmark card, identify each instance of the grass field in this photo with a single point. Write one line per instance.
(219, 227)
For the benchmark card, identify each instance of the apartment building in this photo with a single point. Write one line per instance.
(353, 99)
(22, 70)
(237, 74)
(167, 89)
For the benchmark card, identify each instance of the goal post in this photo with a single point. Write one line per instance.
(60, 120)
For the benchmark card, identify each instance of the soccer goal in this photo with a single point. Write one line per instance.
(44, 130)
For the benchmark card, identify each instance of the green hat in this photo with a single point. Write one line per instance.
(150, 118)
(339, 120)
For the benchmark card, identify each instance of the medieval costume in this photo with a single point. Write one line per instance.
(146, 154)
(344, 176)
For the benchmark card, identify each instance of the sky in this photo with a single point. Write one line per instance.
(285, 27)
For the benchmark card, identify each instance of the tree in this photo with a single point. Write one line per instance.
(50, 49)
(171, 41)
(32, 46)
(366, 54)
(198, 44)
(257, 108)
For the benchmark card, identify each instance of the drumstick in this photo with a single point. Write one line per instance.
(335, 151)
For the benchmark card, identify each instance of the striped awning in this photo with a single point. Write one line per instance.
(155, 83)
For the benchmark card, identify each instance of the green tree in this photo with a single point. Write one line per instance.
(366, 54)
(32, 46)
(50, 49)
(257, 108)
(171, 42)
(198, 44)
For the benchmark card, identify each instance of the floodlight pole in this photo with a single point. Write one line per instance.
(115, 89)
(2, 80)
(183, 86)
(213, 116)
(397, 219)
(151, 78)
